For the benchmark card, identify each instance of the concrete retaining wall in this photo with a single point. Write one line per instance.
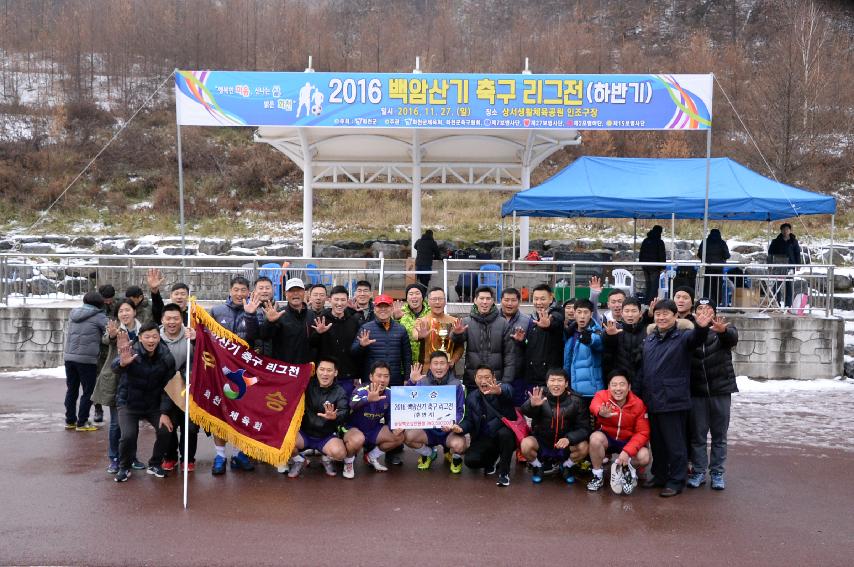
(771, 347)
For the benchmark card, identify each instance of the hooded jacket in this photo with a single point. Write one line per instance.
(652, 248)
(315, 396)
(543, 347)
(712, 373)
(487, 342)
(664, 382)
(582, 359)
(141, 383)
(559, 416)
(718, 251)
(391, 346)
(336, 342)
(86, 326)
(630, 423)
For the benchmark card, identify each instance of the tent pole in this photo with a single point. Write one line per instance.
(181, 186)
(502, 237)
(635, 242)
(525, 222)
(830, 270)
(513, 253)
(416, 188)
(706, 210)
(673, 237)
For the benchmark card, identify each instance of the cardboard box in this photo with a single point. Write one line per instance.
(746, 297)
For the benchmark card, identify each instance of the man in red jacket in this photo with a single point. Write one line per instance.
(622, 427)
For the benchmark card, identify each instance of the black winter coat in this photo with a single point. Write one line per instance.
(712, 373)
(141, 382)
(652, 248)
(664, 382)
(563, 416)
(336, 342)
(391, 345)
(543, 347)
(480, 420)
(315, 397)
(426, 250)
(718, 251)
(624, 350)
(290, 334)
(788, 248)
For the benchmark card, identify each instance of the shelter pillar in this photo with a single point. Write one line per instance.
(525, 222)
(307, 209)
(416, 189)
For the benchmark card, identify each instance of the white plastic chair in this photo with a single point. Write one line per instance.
(624, 280)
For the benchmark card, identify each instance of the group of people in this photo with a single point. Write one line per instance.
(564, 389)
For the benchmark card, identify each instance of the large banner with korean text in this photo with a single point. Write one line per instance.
(432, 100)
(254, 402)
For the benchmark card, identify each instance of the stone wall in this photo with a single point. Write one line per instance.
(773, 347)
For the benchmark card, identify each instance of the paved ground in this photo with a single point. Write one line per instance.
(788, 502)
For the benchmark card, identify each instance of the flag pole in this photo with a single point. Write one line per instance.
(187, 401)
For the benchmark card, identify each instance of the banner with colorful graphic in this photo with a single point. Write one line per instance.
(254, 402)
(433, 100)
(423, 407)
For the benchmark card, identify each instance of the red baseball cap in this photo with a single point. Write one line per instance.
(383, 299)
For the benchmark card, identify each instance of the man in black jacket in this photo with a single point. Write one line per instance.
(289, 329)
(544, 337)
(712, 385)
(335, 336)
(785, 250)
(326, 409)
(144, 369)
(652, 250)
(664, 384)
(623, 341)
(426, 250)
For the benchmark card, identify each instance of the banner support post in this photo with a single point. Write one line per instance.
(186, 424)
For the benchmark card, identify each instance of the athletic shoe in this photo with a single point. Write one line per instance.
(537, 475)
(566, 473)
(394, 459)
(114, 466)
(138, 465)
(191, 466)
(456, 464)
(242, 462)
(696, 480)
(425, 462)
(616, 478)
(88, 426)
(349, 470)
(448, 456)
(718, 482)
(490, 470)
(630, 479)
(328, 466)
(168, 465)
(283, 468)
(99, 416)
(219, 465)
(296, 468)
(503, 480)
(596, 483)
(70, 426)
(669, 492)
(122, 475)
(374, 462)
(156, 471)
(550, 468)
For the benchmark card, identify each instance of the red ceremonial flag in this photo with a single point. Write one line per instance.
(254, 402)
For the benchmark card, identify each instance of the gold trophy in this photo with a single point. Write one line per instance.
(444, 333)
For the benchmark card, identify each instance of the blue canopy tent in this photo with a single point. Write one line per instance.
(646, 188)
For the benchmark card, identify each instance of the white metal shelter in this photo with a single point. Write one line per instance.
(413, 158)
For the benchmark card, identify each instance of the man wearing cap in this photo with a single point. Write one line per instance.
(664, 384)
(683, 297)
(290, 329)
(384, 339)
(712, 385)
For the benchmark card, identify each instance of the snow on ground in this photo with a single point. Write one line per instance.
(37, 373)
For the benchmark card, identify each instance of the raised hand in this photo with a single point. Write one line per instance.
(719, 324)
(415, 375)
(652, 303)
(452, 428)
(397, 311)
(271, 313)
(351, 303)
(365, 339)
(112, 328)
(422, 328)
(611, 328)
(537, 397)
(493, 388)
(562, 443)
(703, 319)
(459, 328)
(606, 410)
(595, 283)
(126, 354)
(518, 334)
(328, 413)
(544, 321)
(374, 391)
(251, 303)
(155, 280)
(321, 326)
